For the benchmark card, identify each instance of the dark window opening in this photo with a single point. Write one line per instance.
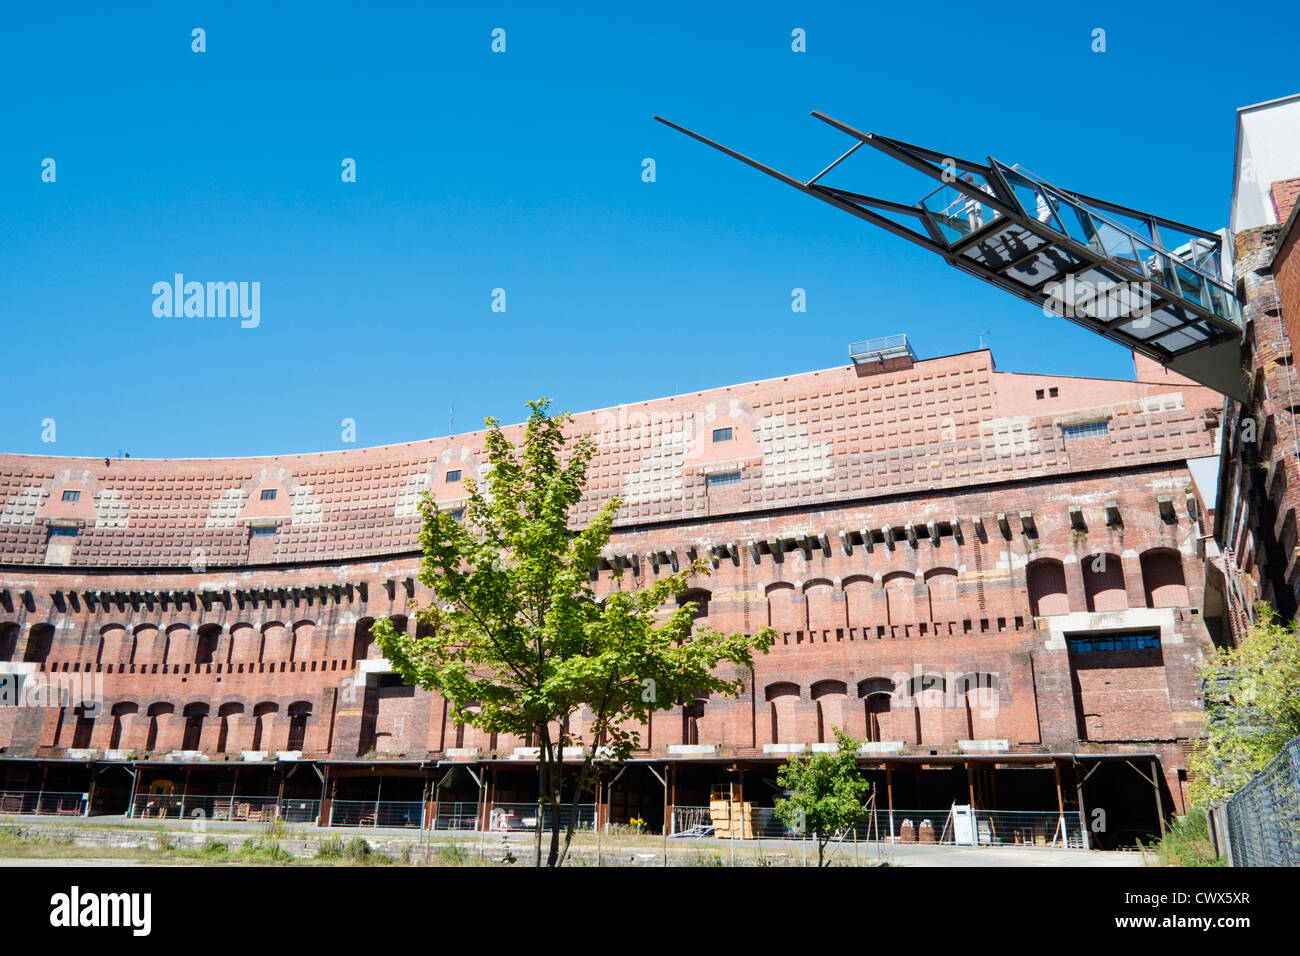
(453, 475)
(725, 478)
(722, 434)
(71, 495)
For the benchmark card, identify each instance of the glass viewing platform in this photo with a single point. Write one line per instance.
(1149, 283)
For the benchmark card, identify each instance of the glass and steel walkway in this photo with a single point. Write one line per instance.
(1148, 283)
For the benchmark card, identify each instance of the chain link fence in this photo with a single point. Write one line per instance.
(1262, 819)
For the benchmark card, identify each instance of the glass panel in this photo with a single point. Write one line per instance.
(958, 214)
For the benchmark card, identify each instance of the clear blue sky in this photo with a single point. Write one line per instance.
(522, 171)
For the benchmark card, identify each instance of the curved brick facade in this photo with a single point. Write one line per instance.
(927, 540)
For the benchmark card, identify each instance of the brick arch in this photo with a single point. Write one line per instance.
(859, 602)
(825, 614)
(1048, 595)
(303, 644)
(113, 644)
(1103, 582)
(1163, 581)
(831, 698)
(782, 700)
(207, 638)
(877, 696)
(941, 583)
(900, 597)
(700, 596)
(782, 614)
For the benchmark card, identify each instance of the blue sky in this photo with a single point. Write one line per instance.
(522, 171)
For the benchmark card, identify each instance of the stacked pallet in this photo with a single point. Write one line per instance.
(732, 820)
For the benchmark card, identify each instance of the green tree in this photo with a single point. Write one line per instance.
(826, 792)
(1252, 707)
(515, 639)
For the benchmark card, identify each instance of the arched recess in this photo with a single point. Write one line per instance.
(245, 643)
(877, 694)
(299, 714)
(782, 698)
(226, 713)
(205, 648)
(176, 646)
(858, 604)
(40, 640)
(925, 692)
(831, 697)
(1103, 583)
(157, 714)
(825, 614)
(303, 646)
(782, 614)
(1162, 578)
(113, 644)
(120, 712)
(1047, 592)
(700, 597)
(900, 597)
(942, 585)
(274, 642)
(263, 715)
(362, 639)
(148, 645)
(195, 715)
(979, 693)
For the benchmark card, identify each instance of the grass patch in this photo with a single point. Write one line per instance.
(1187, 843)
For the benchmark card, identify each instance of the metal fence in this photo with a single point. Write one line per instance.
(1263, 817)
(523, 816)
(376, 813)
(42, 801)
(456, 816)
(1045, 828)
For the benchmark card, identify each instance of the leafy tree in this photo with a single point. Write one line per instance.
(826, 792)
(1252, 707)
(515, 638)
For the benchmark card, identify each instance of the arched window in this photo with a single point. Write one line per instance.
(1047, 594)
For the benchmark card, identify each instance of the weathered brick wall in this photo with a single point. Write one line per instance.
(886, 526)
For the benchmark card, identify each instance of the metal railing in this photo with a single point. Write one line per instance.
(1046, 828)
(52, 802)
(376, 813)
(523, 816)
(232, 807)
(456, 816)
(1263, 817)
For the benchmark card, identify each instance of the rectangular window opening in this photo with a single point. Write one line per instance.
(268, 494)
(722, 434)
(724, 478)
(1087, 430)
(71, 495)
(453, 475)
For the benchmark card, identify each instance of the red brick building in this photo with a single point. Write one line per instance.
(996, 579)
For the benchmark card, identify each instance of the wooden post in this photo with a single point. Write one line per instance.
(1160, 809)
(889, 789)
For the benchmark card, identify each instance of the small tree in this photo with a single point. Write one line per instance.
(1252, 707)
(515, 639)
(826, 793)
